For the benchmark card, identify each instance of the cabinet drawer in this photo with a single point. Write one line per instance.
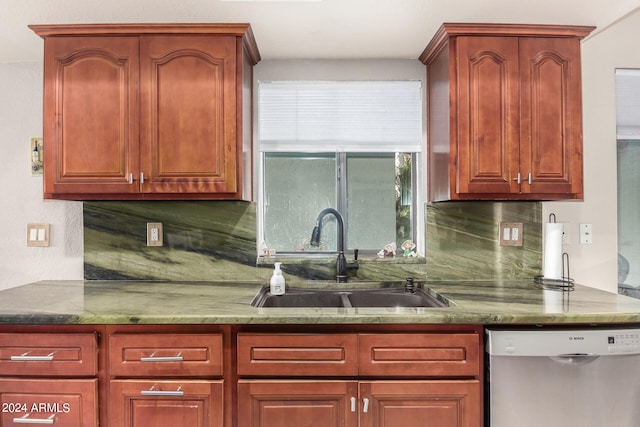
(166, 403)
(419, 355)
(27, 354)
(290, 355)
(65, 403)
(158, 355)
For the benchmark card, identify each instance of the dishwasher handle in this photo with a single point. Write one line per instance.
(574, 358)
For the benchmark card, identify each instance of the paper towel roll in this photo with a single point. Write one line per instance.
(553, 300)
(553, 251)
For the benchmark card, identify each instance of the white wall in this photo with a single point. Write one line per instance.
(596, 264)
(21, 193)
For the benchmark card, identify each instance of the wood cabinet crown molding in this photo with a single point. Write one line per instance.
(447, 30)
(232, 29)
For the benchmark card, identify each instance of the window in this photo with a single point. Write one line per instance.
(347, 145)
(628, 155)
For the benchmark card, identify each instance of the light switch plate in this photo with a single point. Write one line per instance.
(510, 234)
(38, 235)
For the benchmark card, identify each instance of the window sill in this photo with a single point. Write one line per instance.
(330, 258)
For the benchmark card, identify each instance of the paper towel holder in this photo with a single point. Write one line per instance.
(565, 283)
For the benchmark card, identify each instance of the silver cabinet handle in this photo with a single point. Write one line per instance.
(153, 392)
(365, 408)
(131, 178)
(154, 358)
(518, 178)
(141, 178)
(26, 358)
(353, 404)
(26, 420)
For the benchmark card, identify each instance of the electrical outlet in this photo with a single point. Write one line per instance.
(510, 234)
(154, 234)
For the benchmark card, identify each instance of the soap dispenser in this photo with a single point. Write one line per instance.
(277, 281)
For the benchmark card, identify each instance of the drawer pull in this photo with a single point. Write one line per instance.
(365, 408)
(153, 392)
(26, 420)
(154, 358)
(26, 358)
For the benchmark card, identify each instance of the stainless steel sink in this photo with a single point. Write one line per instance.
(298, 298)
(394, 298)
(348, 298)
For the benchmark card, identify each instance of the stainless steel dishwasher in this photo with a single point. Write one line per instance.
(563, 377)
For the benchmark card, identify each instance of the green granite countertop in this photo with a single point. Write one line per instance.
(124, 302)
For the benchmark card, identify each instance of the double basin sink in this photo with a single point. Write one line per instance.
(350, 298)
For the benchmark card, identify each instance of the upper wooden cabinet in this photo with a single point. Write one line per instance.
(147, 111)
(505, 112)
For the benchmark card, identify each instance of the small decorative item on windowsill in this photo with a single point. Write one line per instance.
(389, 251)
(409, 249)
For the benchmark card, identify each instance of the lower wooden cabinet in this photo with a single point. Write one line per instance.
(164, 378)
(367, 379)
(445, 403)
(241, 376)
(273, 403)
(63, 402)
(143, 403)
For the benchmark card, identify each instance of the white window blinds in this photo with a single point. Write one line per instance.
(349, 116)
(628, 103)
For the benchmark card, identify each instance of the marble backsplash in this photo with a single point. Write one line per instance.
(203, 240)
(462, 241)
(216, 240)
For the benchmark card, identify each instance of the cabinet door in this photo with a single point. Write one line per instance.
(551, 115)
(297, 403)
(421, 404)
(64, 403)
(188, 114)
(165, 403)
(90, 115)
(488, 111)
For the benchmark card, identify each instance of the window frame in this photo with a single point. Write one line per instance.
(418, 158)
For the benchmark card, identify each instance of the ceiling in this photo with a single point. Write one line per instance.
(305, 28)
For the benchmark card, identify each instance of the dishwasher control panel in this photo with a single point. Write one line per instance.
(562, 342)
(621, 341)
